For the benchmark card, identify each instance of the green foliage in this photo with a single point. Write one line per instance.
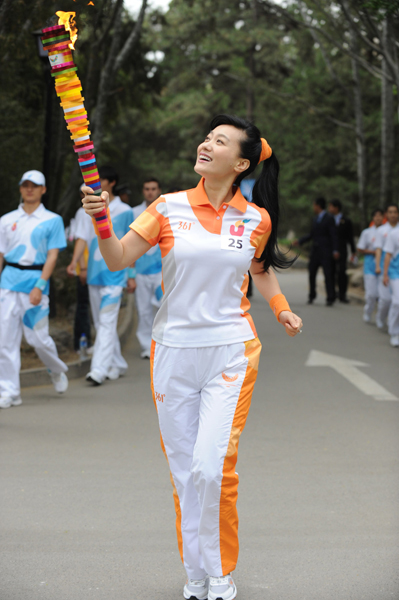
(201, 58)
(383, 8)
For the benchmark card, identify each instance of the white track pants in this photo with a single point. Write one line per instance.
(384, 300)
(148, 299)
(105, 303)
(17, 316)
(203, 397)
(393, 315)
(371, 294)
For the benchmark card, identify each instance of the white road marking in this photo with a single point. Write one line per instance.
(348, 368)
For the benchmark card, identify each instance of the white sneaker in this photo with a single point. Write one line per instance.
(94, 377)
(7, 401)
(394, 341)
(366, 319)
(222, 588)
(379, 323)
(115, 373)
(145, 354)
(60, 381)
(196, 589)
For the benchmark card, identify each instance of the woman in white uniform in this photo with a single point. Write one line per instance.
(205, 350)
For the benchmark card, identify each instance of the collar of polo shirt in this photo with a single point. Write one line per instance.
(199, 198)
(36, 213)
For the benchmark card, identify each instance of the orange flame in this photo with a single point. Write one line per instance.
(68, 19)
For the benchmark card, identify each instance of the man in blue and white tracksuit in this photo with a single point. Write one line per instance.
(384, 291)
(30, 240)
(366, 246)
(149, 276)
(105, 287)
(391, 279)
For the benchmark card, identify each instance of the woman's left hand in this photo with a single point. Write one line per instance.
(292, 323)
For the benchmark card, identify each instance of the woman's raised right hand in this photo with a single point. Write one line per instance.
(94, 204)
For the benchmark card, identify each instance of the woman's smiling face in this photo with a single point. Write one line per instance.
(220, 153)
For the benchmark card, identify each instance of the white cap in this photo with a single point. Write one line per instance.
(33, 176)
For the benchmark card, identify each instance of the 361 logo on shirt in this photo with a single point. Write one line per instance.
(185, 225)
(159, 397)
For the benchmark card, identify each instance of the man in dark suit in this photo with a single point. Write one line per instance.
(345, 237)
(324, 250)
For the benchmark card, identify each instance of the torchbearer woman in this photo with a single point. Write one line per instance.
(205, 350)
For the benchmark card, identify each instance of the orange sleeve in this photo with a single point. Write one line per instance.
(260, 235)
(151, 222)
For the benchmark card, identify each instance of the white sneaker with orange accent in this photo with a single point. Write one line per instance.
(196, 589)
(222, 588)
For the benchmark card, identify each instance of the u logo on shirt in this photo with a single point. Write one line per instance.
(238, 227)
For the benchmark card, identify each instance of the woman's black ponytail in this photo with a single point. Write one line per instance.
(265, 191)
(265, 195)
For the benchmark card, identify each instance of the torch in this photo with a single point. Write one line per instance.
(57, 41)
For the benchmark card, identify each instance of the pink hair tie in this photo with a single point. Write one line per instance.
(266, 151)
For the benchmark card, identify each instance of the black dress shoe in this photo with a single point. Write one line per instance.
(344, 300)
(310, 301)
(330, 303)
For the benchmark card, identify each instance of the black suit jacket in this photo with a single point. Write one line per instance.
(323, 234)
(345, 236)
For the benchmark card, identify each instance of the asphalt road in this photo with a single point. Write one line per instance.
(86, 501)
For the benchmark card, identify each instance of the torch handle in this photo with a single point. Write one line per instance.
(103, 224)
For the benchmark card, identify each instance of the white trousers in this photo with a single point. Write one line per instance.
(17, 316)
(203, 397)
(105, 302)
(393, 315)
(148, 300)
(371, 294)
(384, 300)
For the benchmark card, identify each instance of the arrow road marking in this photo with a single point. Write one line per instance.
(348, 368)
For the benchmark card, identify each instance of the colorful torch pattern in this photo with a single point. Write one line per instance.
(56, 40)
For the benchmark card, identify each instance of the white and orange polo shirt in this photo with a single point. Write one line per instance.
(206, 255)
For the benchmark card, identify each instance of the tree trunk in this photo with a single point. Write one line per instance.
(102, 28)
(132, 39)
(113, 64)
(360, 137)
(71, 194)
(387, 129)
(250, 97)
(250, 94)
(5, 7)
(62, 150)
(360, 143)
(106, 81)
